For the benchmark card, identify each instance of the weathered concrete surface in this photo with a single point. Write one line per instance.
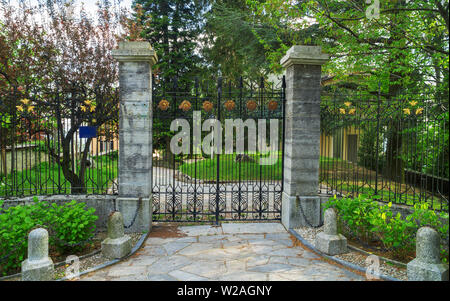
(265, 251)
(329, 241)
(117, 244)
(427, 265)
(38, 266)
(302, 136)
(135, 133)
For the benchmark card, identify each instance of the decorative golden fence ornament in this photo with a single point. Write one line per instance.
(351, 111)
(185, 105)
(229, 105)
(272, 105)
(251, 105)
(207, 106)
(163, 105)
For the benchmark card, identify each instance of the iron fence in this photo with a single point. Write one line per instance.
(213, 187)
(393, 147)
(41, 152)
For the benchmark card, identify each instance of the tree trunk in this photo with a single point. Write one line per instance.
(394, 168)
(4, 168)
(394, 163)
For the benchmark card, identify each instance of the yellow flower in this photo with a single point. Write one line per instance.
(407, 111)
(83, 108)
(30, 108)
(93, 108)
(334, 197)
(25, 101)
(413, 103)
(390, 204)
(20, 108)
(347, 103)
(383, 216)
(419, 111)
(88, 102)
(342, 111)
(352, 111)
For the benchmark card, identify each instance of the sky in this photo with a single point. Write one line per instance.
(90, 5)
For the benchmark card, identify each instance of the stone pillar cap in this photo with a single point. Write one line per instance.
(135, 51)
(304, 55)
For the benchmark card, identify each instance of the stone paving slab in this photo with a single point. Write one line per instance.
(235, 252)
(201, 230)
(252, 228)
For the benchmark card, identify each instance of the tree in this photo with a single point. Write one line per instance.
(59, 75)
(405, 49)
(173, 28)
(232, 44)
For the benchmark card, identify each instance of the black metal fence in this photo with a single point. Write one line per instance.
(211, 187)
(396, 148)
(41, 152)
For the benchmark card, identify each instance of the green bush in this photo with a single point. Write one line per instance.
(365, 219)
(70, 227)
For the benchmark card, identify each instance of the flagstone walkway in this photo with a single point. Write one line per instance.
(233, 251)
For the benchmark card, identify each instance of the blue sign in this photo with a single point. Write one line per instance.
(88, 131)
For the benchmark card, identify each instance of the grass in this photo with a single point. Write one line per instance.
(206, 169)
(48, 178)
(398, 197)
(350, 178)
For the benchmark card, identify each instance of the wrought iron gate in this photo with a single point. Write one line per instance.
(215, 187)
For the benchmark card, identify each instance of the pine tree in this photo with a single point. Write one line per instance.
(174, 28)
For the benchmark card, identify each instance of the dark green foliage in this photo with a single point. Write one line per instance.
(234, 45)
(173, 28)
(365, 219)
(368, 153)
(70, 226)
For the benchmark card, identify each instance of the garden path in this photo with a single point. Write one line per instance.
(232, 251)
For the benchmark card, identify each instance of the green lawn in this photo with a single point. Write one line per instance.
(390, 196)
(206, 169)
(48, 178)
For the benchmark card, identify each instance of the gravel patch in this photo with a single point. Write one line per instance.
(94, 260)
(88, 262)
(357, 258)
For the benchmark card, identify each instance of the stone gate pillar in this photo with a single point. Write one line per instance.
(135, 134)
(300, 200)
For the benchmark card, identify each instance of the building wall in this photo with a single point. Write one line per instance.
(337, 145)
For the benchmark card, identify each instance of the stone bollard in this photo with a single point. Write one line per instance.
(38, 266)
(329, 241)
(117, 244)
(427, 265)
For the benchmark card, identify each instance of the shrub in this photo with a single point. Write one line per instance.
(364, 218)
(70, 227)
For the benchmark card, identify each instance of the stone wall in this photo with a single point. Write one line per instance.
(103, 204)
